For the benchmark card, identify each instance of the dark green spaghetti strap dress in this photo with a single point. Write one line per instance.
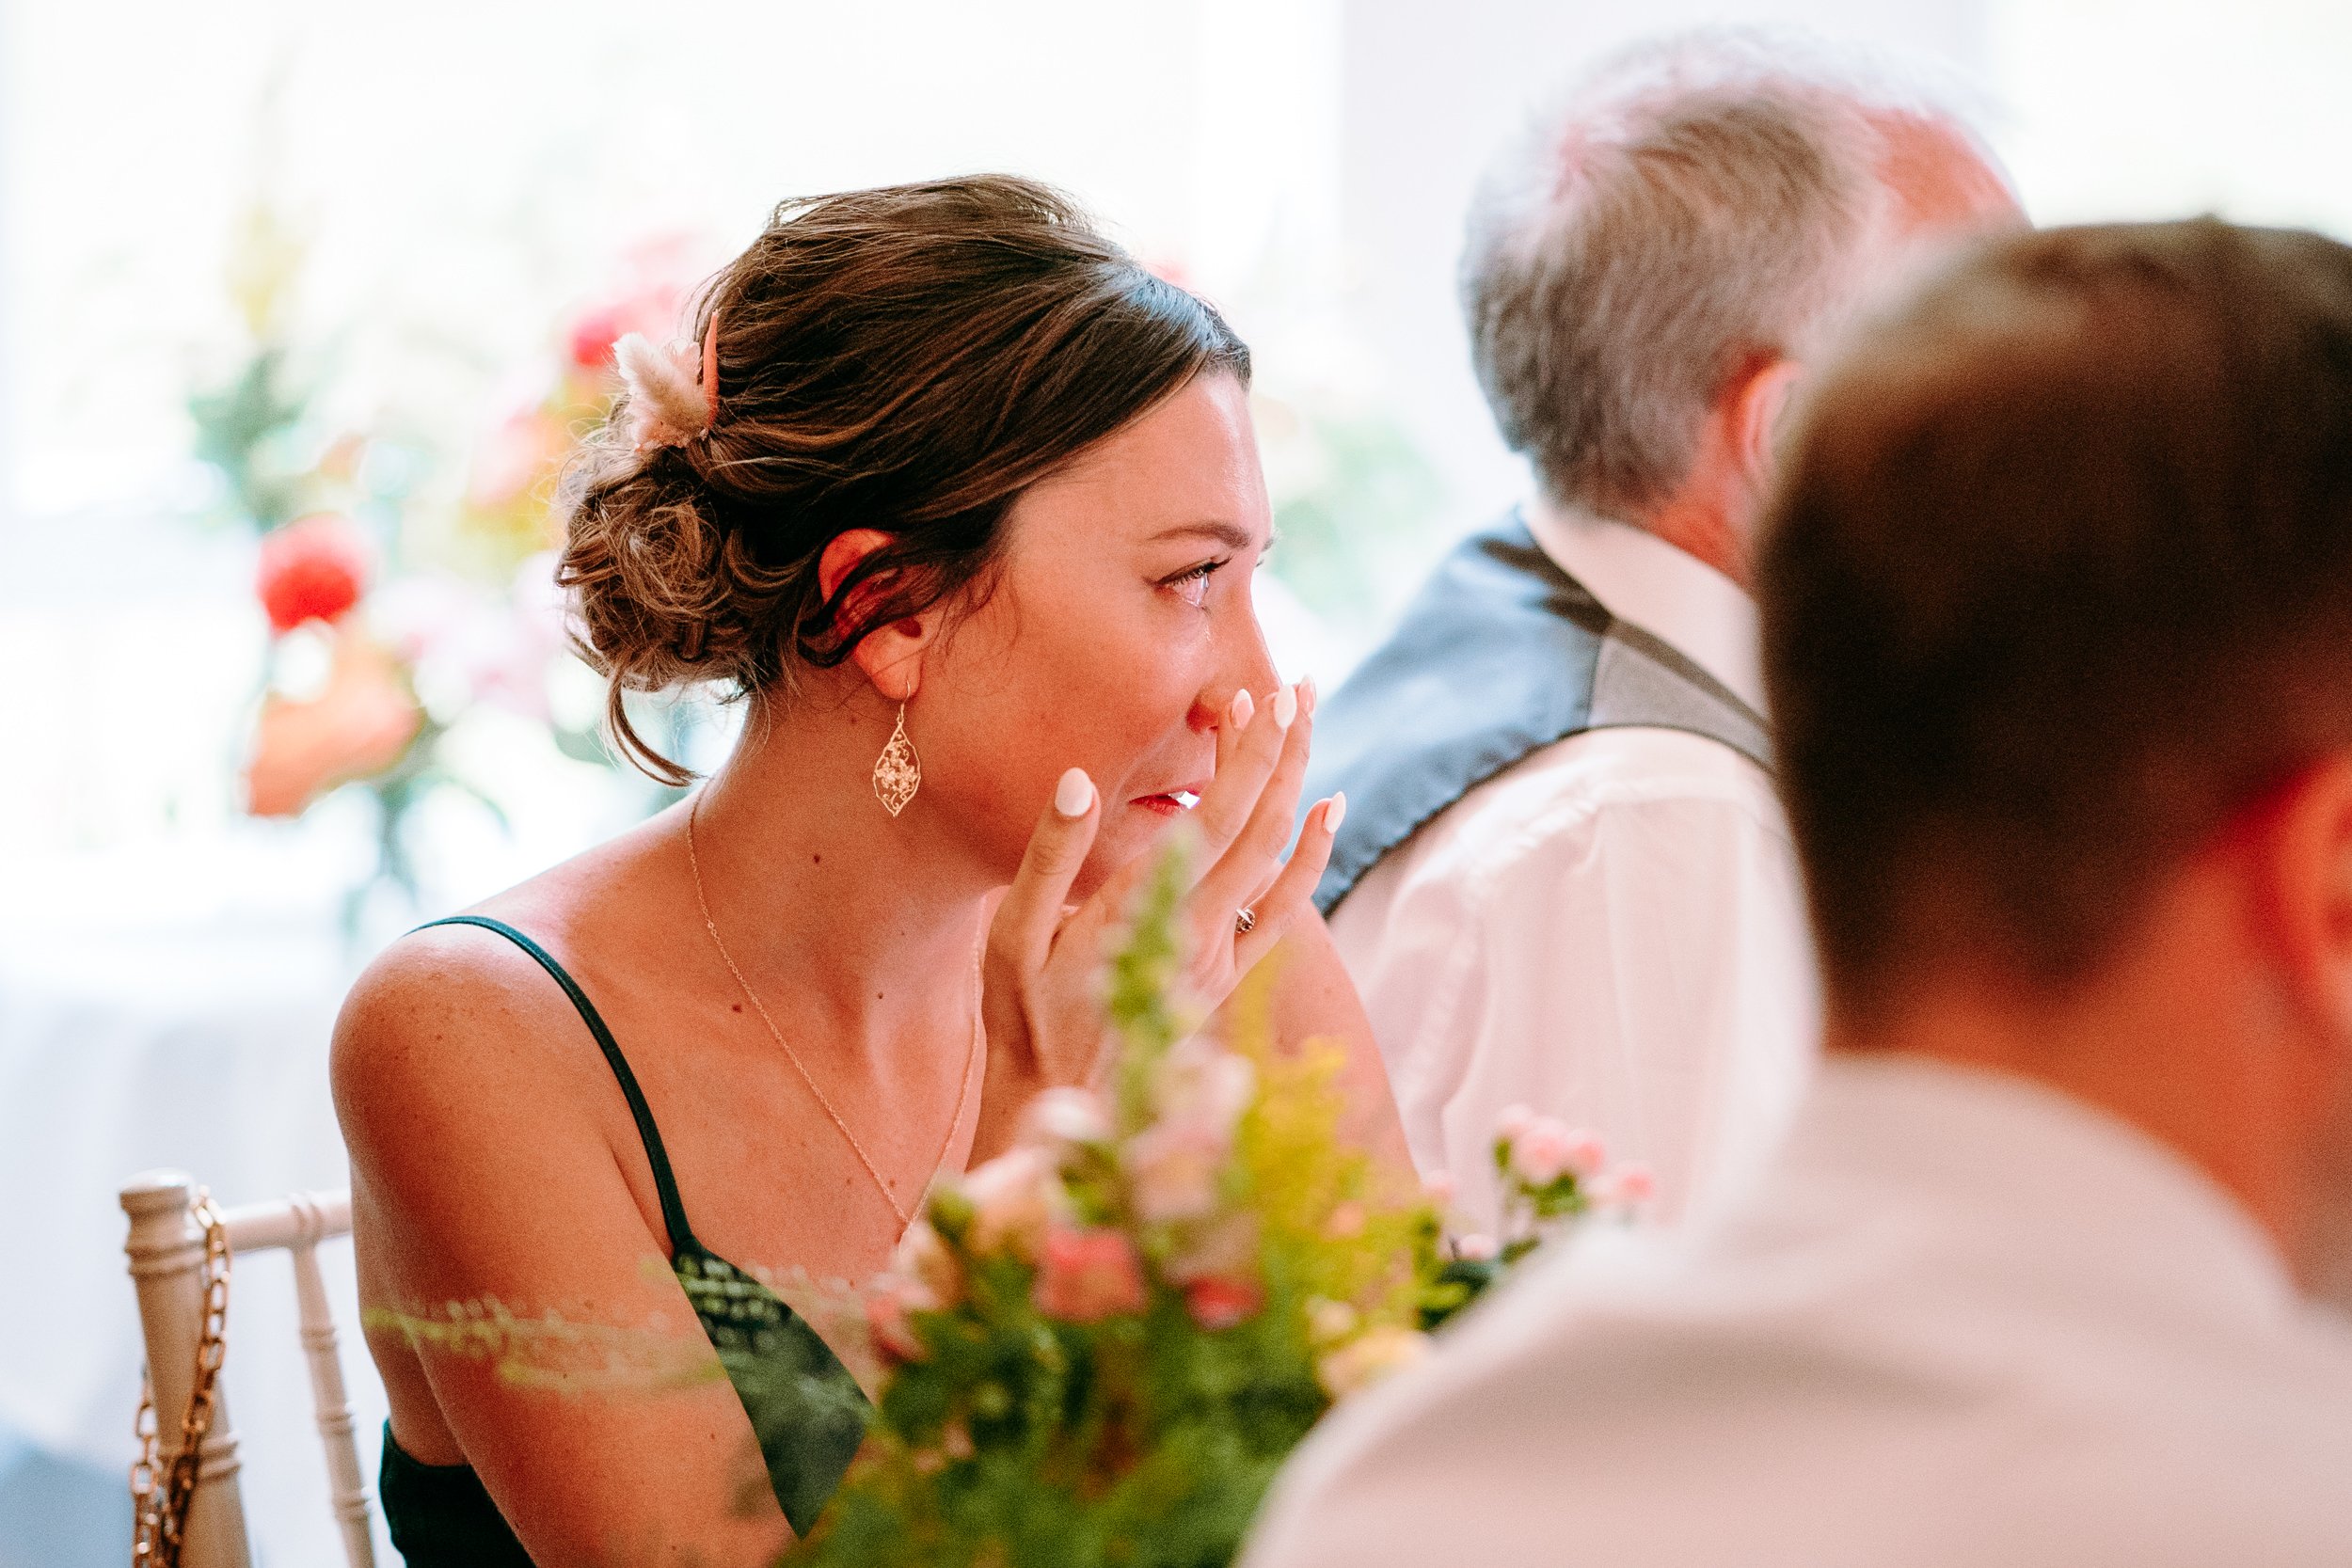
(808, 1412)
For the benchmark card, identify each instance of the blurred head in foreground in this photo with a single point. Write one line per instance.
(2058, 612)
(1650, 267)
(963, 454)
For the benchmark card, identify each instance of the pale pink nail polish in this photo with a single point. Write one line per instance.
(1245, 707)
(1335, 814)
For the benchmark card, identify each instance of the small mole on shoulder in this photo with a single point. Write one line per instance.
(815, 858)
(739, 1006)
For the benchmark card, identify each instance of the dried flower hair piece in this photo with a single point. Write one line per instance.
(673, 392)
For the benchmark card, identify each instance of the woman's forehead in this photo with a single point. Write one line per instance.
(1188, 466)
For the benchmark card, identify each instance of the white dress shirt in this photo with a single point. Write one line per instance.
(1965, 1322)
(1612, 930)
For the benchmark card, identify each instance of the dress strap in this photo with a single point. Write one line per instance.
(665, 1184)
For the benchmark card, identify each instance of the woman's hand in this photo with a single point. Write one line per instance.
(1042, 988)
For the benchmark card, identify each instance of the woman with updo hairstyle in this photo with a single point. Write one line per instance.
(962, 504)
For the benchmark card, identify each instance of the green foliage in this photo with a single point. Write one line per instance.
(241, 428)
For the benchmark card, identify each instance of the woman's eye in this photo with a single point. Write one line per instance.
(1192, 586)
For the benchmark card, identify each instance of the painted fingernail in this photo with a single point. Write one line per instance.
(1073, 794)
(1336, 813)
(1244, 706)
(1307, 695)
(1285, 706)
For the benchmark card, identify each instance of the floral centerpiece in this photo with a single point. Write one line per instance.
(1105, 1342)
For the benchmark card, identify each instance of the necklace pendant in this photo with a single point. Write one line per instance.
(897, 773)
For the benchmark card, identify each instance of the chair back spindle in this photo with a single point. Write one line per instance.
(166, 1251)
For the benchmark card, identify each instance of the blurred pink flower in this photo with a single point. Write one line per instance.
(1539, 1155)
(1061, 1117)
(1221, 1301)
(1172, 1170)
(887, 1315)
(926, 1275)
(1346, 1222)
(1015, 1198)
(1086, 1276)
(1476, 1247)
(1634, 1186)
(1514, 1121)
(1197, 1082)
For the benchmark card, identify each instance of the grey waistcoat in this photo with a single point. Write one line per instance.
(1499, 655)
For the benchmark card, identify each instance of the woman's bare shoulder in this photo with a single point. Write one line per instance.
(447, 1004)
(446, 1019)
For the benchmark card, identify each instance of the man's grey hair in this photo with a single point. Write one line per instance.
(1687, 209)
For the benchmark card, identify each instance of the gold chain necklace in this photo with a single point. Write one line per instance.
(964, 1089)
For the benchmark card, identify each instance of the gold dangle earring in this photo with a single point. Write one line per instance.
(897, 773)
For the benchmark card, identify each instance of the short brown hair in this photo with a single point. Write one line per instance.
(910, 360)
(2059, 576)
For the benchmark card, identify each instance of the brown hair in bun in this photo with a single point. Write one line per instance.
(909, 358)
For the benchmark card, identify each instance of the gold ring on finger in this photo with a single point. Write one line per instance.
(1245, 921)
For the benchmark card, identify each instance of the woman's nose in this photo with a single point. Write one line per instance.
(1246, 666)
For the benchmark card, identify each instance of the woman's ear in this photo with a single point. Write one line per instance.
(891, 655)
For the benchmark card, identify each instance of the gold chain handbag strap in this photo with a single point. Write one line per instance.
(160, 1506)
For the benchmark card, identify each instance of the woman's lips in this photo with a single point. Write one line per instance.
(1173, 803)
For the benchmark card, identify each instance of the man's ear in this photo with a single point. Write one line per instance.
(1760, 397)
(891, 655)
(2306, 891)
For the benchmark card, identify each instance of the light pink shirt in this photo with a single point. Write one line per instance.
(1610, 931)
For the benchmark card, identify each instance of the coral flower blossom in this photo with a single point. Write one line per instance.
(1221, 1301)
(313, 569)
(1086, 1275)
(361, 725)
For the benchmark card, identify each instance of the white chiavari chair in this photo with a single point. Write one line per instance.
(171, 1268)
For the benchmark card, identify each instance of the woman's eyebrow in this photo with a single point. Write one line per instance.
(1232, 535)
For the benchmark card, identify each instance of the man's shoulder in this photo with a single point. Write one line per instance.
(1639, 1402)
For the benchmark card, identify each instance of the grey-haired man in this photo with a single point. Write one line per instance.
(1565, 879)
